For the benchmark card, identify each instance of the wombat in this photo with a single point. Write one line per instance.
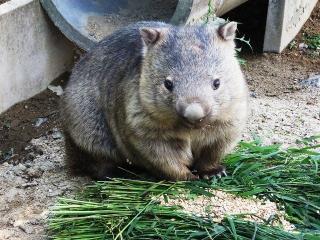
(170, 100)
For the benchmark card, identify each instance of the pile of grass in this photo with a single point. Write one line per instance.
(290, 178)
(130, 209)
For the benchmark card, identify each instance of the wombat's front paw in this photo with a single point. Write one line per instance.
(192, 177)
(218, 171)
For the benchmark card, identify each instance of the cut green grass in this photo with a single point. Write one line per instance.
(290, 178)
(130, 209)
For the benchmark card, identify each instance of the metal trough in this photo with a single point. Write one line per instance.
(86, 22)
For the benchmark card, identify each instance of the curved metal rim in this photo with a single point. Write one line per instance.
(67, 29)
(180, 16)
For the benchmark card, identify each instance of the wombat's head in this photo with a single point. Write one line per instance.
(190, 75)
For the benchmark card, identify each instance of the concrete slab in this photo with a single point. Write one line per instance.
(200, 7)
(32, 51)
(285, 19)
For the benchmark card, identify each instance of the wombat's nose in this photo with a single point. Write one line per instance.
(194, 112)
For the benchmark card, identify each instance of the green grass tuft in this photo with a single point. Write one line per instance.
(313, 41)
(129, 209)
(288, 177)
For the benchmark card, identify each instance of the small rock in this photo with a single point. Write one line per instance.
(30, 184)
(34, 172)
(253, 95)
(24, 226)
(5, 164)
(19, 169)
(57, 135)
(40, 121)
(303, 46)
(56, 89)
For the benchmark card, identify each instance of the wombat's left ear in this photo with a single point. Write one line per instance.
(151, 36)
(228, 31)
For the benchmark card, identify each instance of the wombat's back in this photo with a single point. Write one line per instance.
(94, 85)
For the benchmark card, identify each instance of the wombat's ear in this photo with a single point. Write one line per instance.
(228, 31)
(151, 35)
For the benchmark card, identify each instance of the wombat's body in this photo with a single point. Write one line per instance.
(166, 99)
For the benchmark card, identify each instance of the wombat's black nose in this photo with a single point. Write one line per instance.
(192, 112)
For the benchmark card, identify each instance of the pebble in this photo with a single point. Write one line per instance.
(57, 135)
(30, 184)
(19, 169)
(56, 89)
(253, 94)
(302, 46)
(40, 121)
(24, 226)
(34, 172)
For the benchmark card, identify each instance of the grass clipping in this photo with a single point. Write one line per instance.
(137, 209)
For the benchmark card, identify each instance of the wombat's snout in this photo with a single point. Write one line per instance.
(193, 112)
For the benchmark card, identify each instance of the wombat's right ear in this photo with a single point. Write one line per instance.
(151, 35)
(228, 30)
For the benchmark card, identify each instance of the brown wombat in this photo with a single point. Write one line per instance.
(171, 100)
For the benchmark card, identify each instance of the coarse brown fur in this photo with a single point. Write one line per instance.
(118, 111)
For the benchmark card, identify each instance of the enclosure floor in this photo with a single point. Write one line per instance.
(3, 1)
(35, 175)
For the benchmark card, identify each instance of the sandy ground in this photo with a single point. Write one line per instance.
(286, 118)
(33, 173)
(30, 187)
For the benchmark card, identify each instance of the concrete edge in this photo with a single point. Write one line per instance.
(12, 5)
(284, 21)
(33, 51)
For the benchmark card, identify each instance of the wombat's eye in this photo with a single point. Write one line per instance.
(168, 84)
(216, 84)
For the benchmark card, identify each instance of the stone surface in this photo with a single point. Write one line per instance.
(285, 19)
(32, 51)
(190, 11)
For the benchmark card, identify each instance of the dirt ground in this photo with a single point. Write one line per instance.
(3, 1)
(32, 170)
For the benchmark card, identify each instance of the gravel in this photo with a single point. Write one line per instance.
(222, 204)
(32, 186)
(29, 188)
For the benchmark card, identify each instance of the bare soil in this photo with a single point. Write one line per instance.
(32, 170)
(136, 10)
(3, 1)
(18, 125)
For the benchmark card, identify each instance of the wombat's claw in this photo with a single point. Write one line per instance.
(224, 173)
(217, 172)
(206, 177)
(192, 177)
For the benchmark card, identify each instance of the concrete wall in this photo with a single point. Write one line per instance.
(192, 11)
(285, 19)
(32, 51)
